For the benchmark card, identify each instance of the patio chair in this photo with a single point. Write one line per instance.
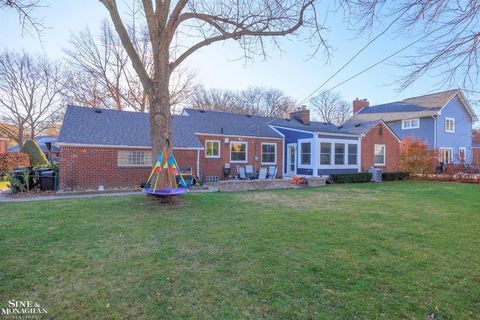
(262, 175)
(241, 173)
(272, 172)
(249, 171)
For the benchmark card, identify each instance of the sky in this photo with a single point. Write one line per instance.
(217, 66)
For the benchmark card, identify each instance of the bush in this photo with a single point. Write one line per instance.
(351, 177)
(416, 156)
(10, 160)
(36, 155)
(394, 176)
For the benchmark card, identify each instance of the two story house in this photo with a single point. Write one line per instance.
(443, 120)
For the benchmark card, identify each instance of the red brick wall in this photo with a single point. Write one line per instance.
(476, 156)
(214, 166)
(3, 146)
(380, 135)
(84, 168)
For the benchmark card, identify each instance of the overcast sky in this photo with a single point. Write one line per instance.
(218, 66)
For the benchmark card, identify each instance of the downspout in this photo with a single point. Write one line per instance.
(315, 154)
(434, 132)
(359, 153)
(198, 162)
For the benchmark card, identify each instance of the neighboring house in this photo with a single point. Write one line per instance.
(3, 144)
(42, 140)
(443, 120)
(476, 147)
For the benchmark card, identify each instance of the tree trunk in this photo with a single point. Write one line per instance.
(160, 116)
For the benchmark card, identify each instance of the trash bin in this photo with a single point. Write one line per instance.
(47, 180)
(376, 174)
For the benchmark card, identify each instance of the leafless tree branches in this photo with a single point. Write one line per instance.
(253, 101)
(30, 88)
(24, 9)
(331, 108)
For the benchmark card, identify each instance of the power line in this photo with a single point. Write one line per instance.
(353, 58)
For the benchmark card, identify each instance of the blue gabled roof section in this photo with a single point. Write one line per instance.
(394, 107)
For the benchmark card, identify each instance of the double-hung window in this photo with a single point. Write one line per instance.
(379, 154)
(212, 149)
(325, 153)
(450, 125)
(269, 153)
(305, 153)
(339, 153)
(238, 151)
(352, 154)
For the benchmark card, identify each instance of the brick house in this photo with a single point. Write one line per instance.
(3, 144)
(476, 147)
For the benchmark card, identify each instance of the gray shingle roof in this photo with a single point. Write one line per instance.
(83, 125)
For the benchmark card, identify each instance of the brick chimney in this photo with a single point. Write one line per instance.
(360, 104)
(3, 145)
(302, 114)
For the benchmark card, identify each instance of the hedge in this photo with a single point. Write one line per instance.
(394, 176)
(351, 177)
(10, 160)
(37, 157)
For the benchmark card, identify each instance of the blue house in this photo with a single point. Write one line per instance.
(443, 120)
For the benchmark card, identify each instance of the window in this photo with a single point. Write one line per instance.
(212, 149)
(305, 153)
(411, 124)
(269, 153)
(379, 155)
(325, 153)
(339, 153)
(450, 125)
(352, 154)
(462, 154)
(238, 151)
(446, 155)
(134, 158)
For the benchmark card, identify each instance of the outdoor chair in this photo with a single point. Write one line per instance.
(262, 175)
(241, 173)
(272, 172)
(249, 171)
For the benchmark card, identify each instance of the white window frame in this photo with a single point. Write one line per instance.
(332, 164)
(213, 156)
(261, 152)
(348, 154)
(409, 122)
(447, 130)
(460, 149)
(299, 160)
(451, 154)
(125, 155)
(246, 151)
(384, 155)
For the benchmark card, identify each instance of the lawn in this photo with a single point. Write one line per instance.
(390, 250)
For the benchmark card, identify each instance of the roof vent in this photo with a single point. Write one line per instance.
(357, 125)
(98, 111)
(249, 115)
(202, 111)
(340, 127)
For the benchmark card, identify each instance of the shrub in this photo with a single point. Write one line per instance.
(351, 177)
(394, 176)
(37, 157)
(416, 156)
(10, 160)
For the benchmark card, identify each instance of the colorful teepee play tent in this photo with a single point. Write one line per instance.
(163, 178)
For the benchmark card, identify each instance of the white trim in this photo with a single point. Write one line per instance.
(62, 144)
(315, 132)
(410, 121)
(287, 171)
(445, 124)
(299, 154)
(434, 132)
(234, 135)
(336, 135)
(385, 125)
(219, 151)
(246, 152)
(261, 152)
(384, 155)
(198, 164)
(465, 102)
(332, 164)
(298, 130)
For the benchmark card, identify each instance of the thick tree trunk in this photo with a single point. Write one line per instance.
(160, 116)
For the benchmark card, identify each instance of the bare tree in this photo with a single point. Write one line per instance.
(256, 101)
(179, 28)
(102, 75)
(331, 108)
(30, 89)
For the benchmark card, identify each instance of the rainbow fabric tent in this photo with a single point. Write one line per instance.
(162, 181)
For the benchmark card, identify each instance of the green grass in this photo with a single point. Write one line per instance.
(390, 250)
